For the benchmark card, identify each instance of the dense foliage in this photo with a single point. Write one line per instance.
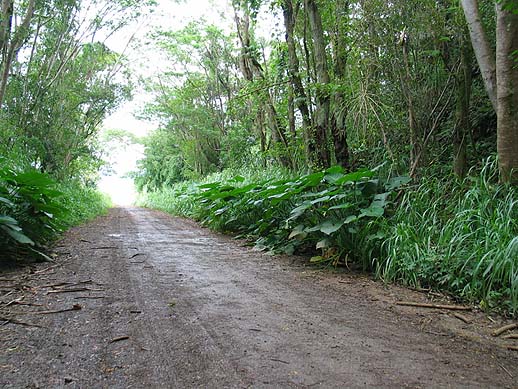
(35, 209)
(58, 81)
(459, 237)
(400, 84)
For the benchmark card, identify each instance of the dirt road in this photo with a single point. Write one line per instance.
(156, 301)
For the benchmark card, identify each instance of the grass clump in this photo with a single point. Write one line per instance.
(457, 237)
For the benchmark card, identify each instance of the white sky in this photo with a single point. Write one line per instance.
(171, 15)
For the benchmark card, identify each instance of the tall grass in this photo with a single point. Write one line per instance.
(458, 237)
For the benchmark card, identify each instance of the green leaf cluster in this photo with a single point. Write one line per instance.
(322, 211)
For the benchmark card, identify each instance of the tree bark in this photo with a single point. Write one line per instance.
(323, 100)
(338, 121)
(300, 96)
(462, 124)
(483, 52)
(252, 70)
(507, 93)
(12, 41)
(415, 138)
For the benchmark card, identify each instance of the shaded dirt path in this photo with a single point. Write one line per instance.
(165, 303)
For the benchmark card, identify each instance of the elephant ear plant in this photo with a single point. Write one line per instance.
(327, 211)
(30, 213)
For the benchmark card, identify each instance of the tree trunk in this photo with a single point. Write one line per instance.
(415, 138)
(300, 96)
(11, 42)
(507, 93)
(462, 125)
(338, 124)
(483, 52)
(252, 70)
(323, 101)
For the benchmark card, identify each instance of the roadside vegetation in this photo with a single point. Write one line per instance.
(459, 237)
(360, 133)
(35, 209)
(58, 81)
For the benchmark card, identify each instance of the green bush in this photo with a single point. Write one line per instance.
(458, 237)
(328, 211)
(34, 209)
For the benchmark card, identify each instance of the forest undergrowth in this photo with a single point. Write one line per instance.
(459, 237)
(35, 209)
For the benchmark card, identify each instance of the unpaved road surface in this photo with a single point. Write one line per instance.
(158, 302)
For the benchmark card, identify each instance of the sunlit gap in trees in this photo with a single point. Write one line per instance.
(121, 151)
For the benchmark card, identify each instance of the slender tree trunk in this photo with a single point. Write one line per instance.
(252, 70)
(507, 93)
(12, 46)
(415, 138)
(300, 96)
(483, 52)
(338, 124)
(323, 100)
(462, 125)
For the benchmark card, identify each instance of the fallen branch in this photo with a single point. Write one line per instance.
(507, 371)
(503, 329)
(510, 336)
(434, 306)
(22, 323)
(75, 307)
(119, 339)
(19, 302)
(47, 269)
(462, 317)
(62, 284)
(279, 360)
(74, 290)
(512, 348)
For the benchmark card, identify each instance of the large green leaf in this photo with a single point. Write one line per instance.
(330, 226)
(299, 211)
(6, 201)
(396, 182)
(16, 234)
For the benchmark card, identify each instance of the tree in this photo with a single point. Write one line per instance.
(500, 74)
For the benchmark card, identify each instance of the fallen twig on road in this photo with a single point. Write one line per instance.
(462, 317)
(74, 290)
(505, 328)
(20, 302)
(279, 360)
(510, 336)
(507, 371)
(75, 307)
(136, 255)
(512, 348)
(22, 323)
(118, 339)
(63, 284)
(434, 306)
